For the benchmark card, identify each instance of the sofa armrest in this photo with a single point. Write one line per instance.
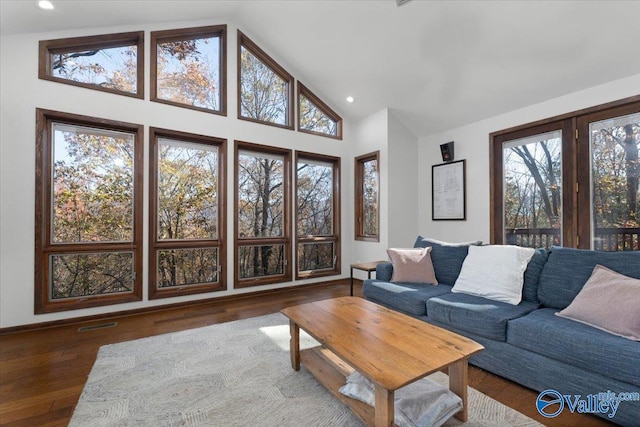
(384, 271)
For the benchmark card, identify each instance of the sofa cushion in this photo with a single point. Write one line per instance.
(495, 272)
(407, 297)
(567, 270)
(475, 314)
(412, 266)
(608, 301)
(580, 345)
(447, 259)
(532, 275)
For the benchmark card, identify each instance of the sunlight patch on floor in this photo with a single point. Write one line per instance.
(280, 336)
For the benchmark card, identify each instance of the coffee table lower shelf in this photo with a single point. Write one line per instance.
(331, 372)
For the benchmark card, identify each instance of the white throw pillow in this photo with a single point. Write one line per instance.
(495, 272)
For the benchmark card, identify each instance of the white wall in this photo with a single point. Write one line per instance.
(22, 92)
(372, 134)
(403, 185)
(472, 144)
(398, 148)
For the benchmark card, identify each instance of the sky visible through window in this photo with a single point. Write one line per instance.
(113, 68)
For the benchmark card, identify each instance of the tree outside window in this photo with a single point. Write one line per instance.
(111, 63)
(315, 117)
(88, 212)
(265, 89)
(262, 214)
(188, 68)
(533, 190)
(570, 180)
(186, 221)
(317, 215)
(367, 192)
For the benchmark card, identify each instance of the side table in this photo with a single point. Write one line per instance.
(364, 266)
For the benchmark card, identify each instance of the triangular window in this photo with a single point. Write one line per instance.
(265, 89)
(314, 116)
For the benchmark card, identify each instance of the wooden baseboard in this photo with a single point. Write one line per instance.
(164, 307)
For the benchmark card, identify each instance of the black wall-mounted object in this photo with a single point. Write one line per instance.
(447, 151)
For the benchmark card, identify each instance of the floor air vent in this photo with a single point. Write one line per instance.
(99, 326)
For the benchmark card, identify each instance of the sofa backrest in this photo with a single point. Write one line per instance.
(532, 275)
(447, 258)
(567, 270)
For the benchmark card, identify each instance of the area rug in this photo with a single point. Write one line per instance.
(230, 374)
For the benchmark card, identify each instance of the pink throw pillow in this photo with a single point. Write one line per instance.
(609, 301)
(412, 266)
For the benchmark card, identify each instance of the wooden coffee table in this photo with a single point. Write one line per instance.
(389, 348)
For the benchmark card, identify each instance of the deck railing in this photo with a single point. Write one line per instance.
(617, 239)
(533, 237)
(606, 239)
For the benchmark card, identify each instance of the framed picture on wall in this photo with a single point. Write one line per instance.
(448, 191)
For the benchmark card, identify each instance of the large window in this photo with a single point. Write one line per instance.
(317, 215)
(187, 251)
(265, 89)
(532, 193)
(88, 212)
(610, 144)
(188, 68)
(314, 116)
(570, 180)
(367, 197)
(111, 63)
(262, 185)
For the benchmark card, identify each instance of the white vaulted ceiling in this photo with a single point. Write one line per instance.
(436, 64)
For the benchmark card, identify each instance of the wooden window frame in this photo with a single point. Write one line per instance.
(155, 245)
(359, 197)
(247, 43)
(43, 205)
(304, 91)
(49, 47)
(576, 215)
(219, 31)
(497, 177)
(335, 237)
(284, 240)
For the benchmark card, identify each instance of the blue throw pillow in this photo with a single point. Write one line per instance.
(447, 258)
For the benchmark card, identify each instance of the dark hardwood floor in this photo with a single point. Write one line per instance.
(42, 372)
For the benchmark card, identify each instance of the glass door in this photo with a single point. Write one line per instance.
(532, 170)
(609, 209)
(532, 175)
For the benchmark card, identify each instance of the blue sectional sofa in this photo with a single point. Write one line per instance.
(527, 343)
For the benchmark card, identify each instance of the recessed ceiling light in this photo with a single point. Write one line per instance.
(45, 4)
(350, 99)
